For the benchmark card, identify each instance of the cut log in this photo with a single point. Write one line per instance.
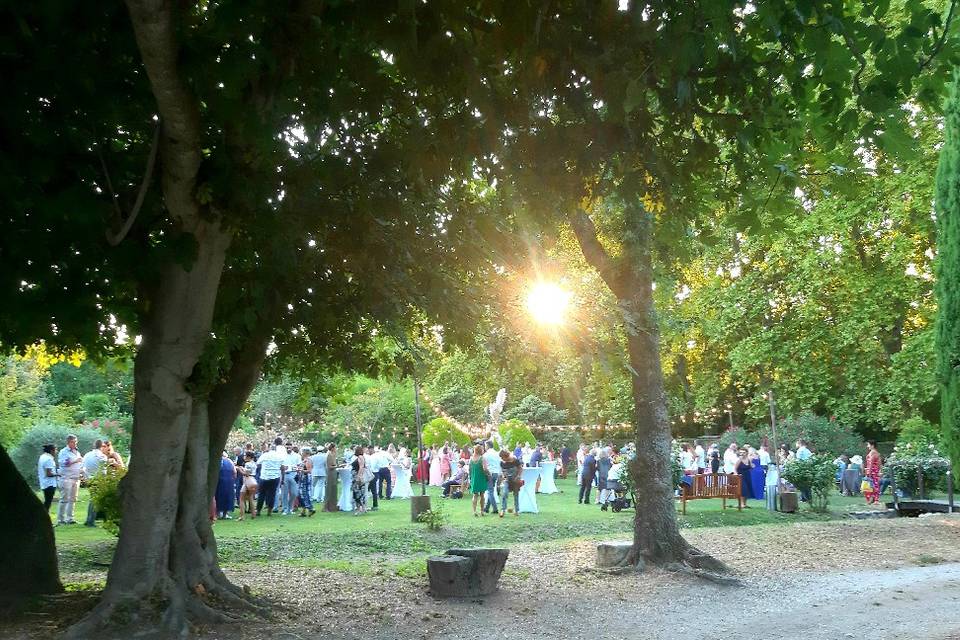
(418, 504)
(466, 572)
(612, 554)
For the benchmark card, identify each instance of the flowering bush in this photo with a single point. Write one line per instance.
(910, 460)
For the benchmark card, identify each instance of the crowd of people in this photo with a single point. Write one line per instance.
(755, 466)
(290, 479)
(67, 469)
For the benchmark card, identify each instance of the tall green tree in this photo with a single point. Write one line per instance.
(948, 275)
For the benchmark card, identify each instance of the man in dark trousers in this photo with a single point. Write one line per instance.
(587, 476)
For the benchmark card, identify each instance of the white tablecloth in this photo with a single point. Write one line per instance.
(528, 492)
(547, 483)
(403, 488)
(346, 492)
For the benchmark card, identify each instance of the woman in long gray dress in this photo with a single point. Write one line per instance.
(330, 495)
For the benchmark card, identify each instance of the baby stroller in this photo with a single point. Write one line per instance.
(620, 500)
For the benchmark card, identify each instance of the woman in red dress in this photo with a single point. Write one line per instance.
(423, 467)
(871, 471)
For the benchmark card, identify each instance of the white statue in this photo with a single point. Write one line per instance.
(495, 408)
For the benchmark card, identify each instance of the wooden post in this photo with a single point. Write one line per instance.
(950, 488)
(893, 488)
(920, 483)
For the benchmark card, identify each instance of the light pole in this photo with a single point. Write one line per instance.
(730, 415)
(773, 420)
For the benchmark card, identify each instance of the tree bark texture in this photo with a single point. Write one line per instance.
(656, 537)
(28, 553)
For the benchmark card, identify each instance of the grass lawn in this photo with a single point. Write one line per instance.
(387, 537)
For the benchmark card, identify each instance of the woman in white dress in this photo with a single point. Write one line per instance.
(402, 488)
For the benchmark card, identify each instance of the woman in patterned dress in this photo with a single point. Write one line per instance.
(871, 471)
(358, 487)
(305, 483)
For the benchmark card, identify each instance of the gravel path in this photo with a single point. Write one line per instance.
(817, 581)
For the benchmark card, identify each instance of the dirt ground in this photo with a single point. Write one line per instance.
(874, 578)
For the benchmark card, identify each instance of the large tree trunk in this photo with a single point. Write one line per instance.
(154, 494)
(656, 537)
(28, 553)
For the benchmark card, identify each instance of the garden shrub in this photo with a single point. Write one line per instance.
(25, 455)
(460, 402)
(824, 436)
(739, 435)
(534, 410)
(105, 494)
(514, 432)
(816, 475)
(917, 431)
(440, 430)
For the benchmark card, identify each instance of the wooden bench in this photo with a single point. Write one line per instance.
(711, 485)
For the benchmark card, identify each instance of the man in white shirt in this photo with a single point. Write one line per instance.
(47, 474)
(382, 475)
(764, 455)
(493, 466)
(271, 463)
(374, 464)
(701, 455)
(318, 474)
(290, 490)
(93, 463)
(730, 458)
(71, 470)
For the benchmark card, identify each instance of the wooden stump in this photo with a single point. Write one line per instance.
(466, 572)
(418, 504)
(612, 554)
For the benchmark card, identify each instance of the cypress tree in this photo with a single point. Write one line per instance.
(948, 275)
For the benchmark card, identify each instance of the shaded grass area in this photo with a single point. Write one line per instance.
(386, 541)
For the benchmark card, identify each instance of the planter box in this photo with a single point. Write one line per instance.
(788, 502)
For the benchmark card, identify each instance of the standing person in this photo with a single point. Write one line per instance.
(238, 462)
(304, 479)
(871, 472)
(47, 474)
(71, 470)
(587, 475)
(510, 470)
(479, 479)
(373, 462)
(423, 465)
(764, 456)
(730, 458)
(444, 464)
(803, 453)
(436, 477)
(565, 457)
(330, 488)
(93, 460)
(291, 488)
(359, 486)
(318, 474)
(714, 461)
(248, 487)
(226, 482)
(603, 470)
(492, 459)
(271, 464)
(701, 455)
(743, 470)
(581, 454)
(384, 480)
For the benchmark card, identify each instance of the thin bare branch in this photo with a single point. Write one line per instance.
(116, 238)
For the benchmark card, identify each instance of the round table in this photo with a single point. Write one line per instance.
(547, 483)
(528, 492)
(346, 490)
(403, 488)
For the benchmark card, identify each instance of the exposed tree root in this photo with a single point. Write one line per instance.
(679, 567)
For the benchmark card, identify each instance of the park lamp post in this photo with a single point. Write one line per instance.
(730, 414)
